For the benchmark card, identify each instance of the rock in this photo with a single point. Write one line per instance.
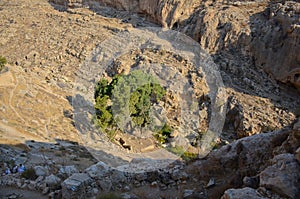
(148, 148)
(282, 44)
(179, 175)
(297, 125)
(105, 184)
(283, 177)
(161, 11)
(245, 193)
(32, 185)
(74, 186)
(239, 156)
(187, 193)
(41, 171)
(98, 170)
(297, 155)
(39, 179)
(210, 183)
(51, 195)
(45, 191)
(252, 182)
(128, 196)
(35, 159)
(117, 177)
(68, 170)
(52, 181)
(95, 191)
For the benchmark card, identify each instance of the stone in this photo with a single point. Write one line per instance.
(105, 184)
(39, 179)
(74, 186)
(283, 176)
(45, 191)
(252, 182)
(52, 181)
(98, 170)
(269, 44)
(95, 191)
(68, 170)
(245, 193)
(41, 171)
(297, 125)
(187, 193)
(51, 195)
(179, 175)
(128, 196)
(210, 183)
(297, 155)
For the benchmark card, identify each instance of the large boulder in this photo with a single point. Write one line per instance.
(74, 186)
(41, 170)
(283, 177)
(53, 181)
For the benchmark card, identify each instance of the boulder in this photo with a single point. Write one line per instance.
(245, 193)
(68, 170)
(74, 186)
(283, 177)
(52, 181)
(98, 170)
(41, 171)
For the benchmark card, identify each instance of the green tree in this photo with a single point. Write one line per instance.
(130, 95)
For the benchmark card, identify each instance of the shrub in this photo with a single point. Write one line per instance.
(2, 62)
(163, 134)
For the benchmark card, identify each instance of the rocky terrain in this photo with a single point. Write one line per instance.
(255, 44)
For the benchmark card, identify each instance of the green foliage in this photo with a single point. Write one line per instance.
(132, 95)
(163, 134)
(29, 174)
(2, 62)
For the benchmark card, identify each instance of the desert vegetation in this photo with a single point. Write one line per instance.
(132, 94)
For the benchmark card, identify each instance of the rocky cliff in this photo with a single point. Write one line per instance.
(252, 42)
(266, 30)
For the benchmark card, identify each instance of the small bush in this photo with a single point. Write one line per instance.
(163, 135)
(2, 62)
(29, 174)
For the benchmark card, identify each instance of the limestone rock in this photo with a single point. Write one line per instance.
(68, 170)
(98, 170)
(245, 193)
(159, 11)
(283, 177)
(52, 181)
(74, 186)
(41, 171)
(275, 45)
